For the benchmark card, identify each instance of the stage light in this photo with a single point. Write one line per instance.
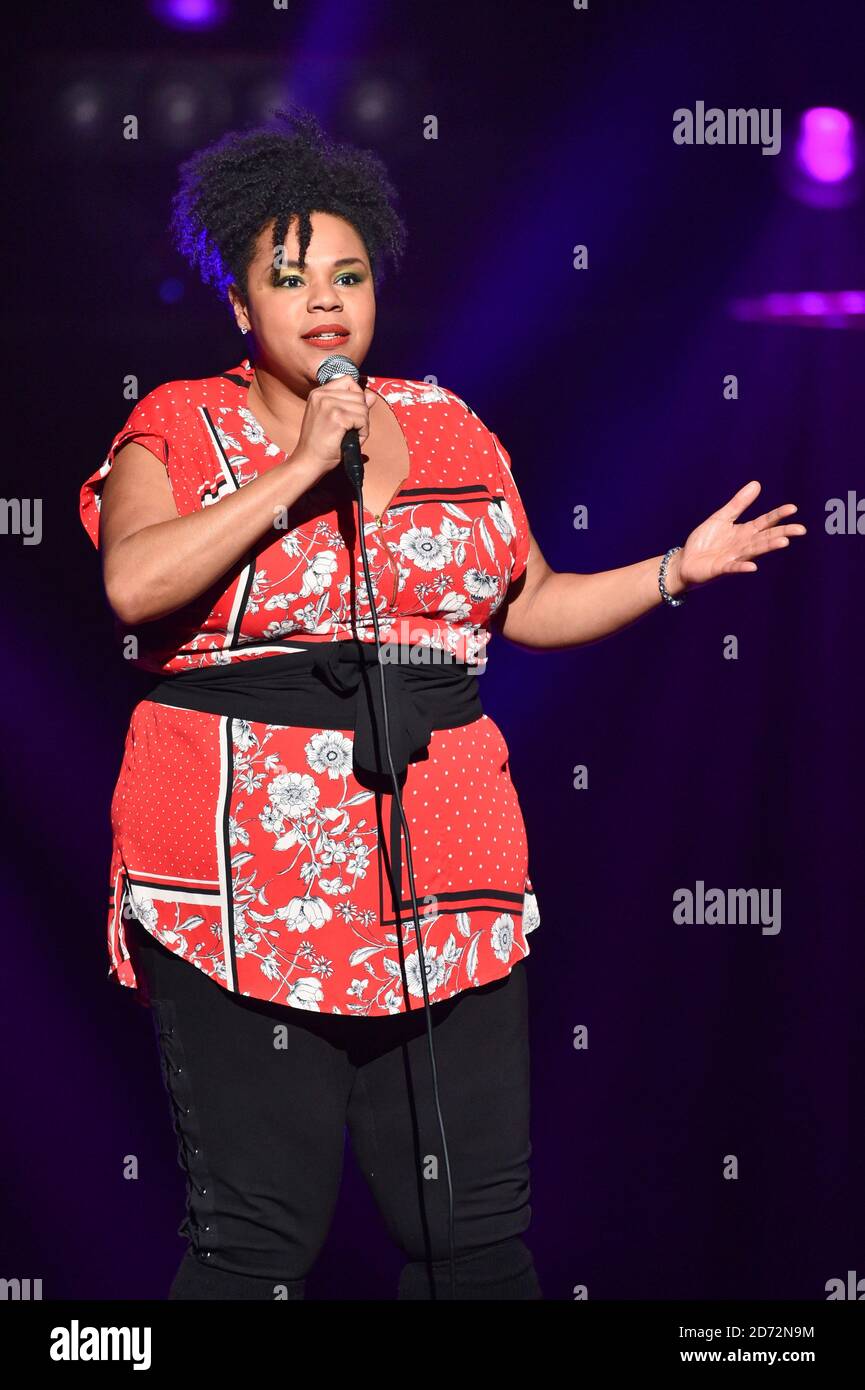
(806, 308)
(823, 169)
(182, 110)
(825, 149)
(190, 14)
(373, 103)
(82, 105)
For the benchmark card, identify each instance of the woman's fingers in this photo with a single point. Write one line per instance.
(775, 539)
(760, 523)
(740, 500)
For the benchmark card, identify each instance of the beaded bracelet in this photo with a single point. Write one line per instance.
(662, 574)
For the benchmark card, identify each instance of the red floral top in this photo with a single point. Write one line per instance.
(271, 880)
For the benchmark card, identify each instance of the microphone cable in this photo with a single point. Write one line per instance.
(332, 367)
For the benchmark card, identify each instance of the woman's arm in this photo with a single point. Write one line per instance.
(545, 608)
(154, 561)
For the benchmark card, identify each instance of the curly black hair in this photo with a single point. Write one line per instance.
(231, 189)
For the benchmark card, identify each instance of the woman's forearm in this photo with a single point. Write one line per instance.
(160, 568)
(566, 610)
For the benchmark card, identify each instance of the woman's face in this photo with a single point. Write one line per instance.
(335, 287)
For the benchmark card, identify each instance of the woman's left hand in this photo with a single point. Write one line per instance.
(721, 546)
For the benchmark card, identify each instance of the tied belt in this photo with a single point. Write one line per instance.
(335, 685)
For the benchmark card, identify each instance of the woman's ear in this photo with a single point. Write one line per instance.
(240, 314)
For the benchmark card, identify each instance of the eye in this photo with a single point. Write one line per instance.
(350, 275)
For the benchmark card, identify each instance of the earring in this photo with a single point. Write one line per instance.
(244, 330)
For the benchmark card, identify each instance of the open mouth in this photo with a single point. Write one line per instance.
(326, 339)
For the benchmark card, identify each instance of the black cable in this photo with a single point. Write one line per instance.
(356, 477)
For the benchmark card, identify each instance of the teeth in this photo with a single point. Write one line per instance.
(327, 335)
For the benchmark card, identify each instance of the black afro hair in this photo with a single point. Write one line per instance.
(231, 189)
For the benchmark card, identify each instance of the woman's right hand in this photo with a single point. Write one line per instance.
(339, 405)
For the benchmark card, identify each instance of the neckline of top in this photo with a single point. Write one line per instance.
(248, 371)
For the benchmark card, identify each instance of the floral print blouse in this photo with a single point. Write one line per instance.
(249, 849)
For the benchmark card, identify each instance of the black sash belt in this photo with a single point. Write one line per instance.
(334, 685)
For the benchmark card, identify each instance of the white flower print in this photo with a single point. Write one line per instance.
(291, 544)
(476, 648)
(359, 861)
(306, 994)
(480, 584)
(228, 441)
(253, 431)
(333, 886)
(301, 913)
(173, 937)
(293, 794)
(253, 603)
(503, 519)
(414, 395)
(393, 1002)
(311, 617)
(452, 532)
(330, 752)
(435, 971)
(331, 852)
(431, 589)
(242, 735)
(271, 819)
(502, 935)
(236, 832)
(144, 912)
(273, 631)
(317, 576)
(428, 552)
(531, 913)
(456, 606)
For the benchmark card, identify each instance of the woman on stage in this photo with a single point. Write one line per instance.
(262, 887)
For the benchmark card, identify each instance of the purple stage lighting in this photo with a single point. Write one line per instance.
(825, 150)
(807, 308)
(190, 14)
(822, 167)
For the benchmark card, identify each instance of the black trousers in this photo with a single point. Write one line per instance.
(261, 1096)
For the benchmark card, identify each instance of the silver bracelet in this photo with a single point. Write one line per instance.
(662, 574)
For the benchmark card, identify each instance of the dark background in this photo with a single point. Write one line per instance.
(605, 385)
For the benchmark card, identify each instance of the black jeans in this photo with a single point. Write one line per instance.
(261, 1096)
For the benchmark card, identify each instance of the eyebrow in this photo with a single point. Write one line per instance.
(346, 260)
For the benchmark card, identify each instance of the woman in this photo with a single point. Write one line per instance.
(261, 890)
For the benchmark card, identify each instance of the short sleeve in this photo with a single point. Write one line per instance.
(518, 519)
(147, 427)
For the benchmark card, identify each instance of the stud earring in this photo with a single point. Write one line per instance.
(244, 330)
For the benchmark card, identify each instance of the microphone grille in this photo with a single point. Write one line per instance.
(336, 365)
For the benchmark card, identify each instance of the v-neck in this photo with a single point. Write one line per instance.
(249, 371)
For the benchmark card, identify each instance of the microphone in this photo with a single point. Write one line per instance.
(333, 366)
